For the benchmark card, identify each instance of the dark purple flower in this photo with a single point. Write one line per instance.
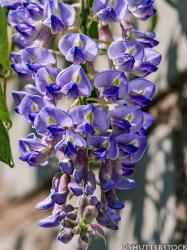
(110, 11)
(112, 85)
(78, 48)
(126, 55)
(74, 82)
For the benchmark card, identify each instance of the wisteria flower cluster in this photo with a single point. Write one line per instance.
(99, 137)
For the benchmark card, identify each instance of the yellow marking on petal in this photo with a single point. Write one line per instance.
(134, 143)
(116, 83)
(130, 51)
(106, 144)
(49, 79)
(51, 120)
(89, 117)
(141, 92)
(78, 43)
(34, 107)
(33, 59)
(129, 117)
(76, 78)
(70, 139)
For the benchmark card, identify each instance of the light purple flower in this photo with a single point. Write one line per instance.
(112, 85)
(89, 119)
(58, 16)
(53, 120)
(78, 48)
(141, 92)
(110, 11)
(126, 55)
(74, 82)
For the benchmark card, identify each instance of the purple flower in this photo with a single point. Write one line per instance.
(53, 120)
(89, 119)
(45, 80)
(146, 39)
(149, 64)
(142, 9)
(29, 107)
(34, 152)
(25, 25)
(141, 92)
(70, 144)
(110, 11)
(58, 16)
(112, 85)
(147, 122)
(74, 82)
(126, 55)
(131, 147)
(106, 147)
(10, 4)
(90, 183)
(17, 66)
(78, 48)
(126, 119)
(34, 58)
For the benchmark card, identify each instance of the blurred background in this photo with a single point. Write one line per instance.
(156, 212)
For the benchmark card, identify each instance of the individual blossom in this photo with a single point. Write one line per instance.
(74, 82)
(45, 81)
(78, 48)
(33, 151)
(25, 25)
(141, 92)
(112, 85)
(33, 58)
(51, 120)
(126, 119)
(131, 147)
(89, 119)
(30, 106)
(106, 147)
(110, 11)
(58, 16)
(149, 64)
(142, 9)
(126, 55)
(70, 144)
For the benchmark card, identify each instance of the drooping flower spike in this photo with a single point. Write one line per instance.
(91, 122)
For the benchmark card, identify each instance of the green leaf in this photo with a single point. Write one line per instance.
(5, 151)
(4, 114)
(4, 53)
